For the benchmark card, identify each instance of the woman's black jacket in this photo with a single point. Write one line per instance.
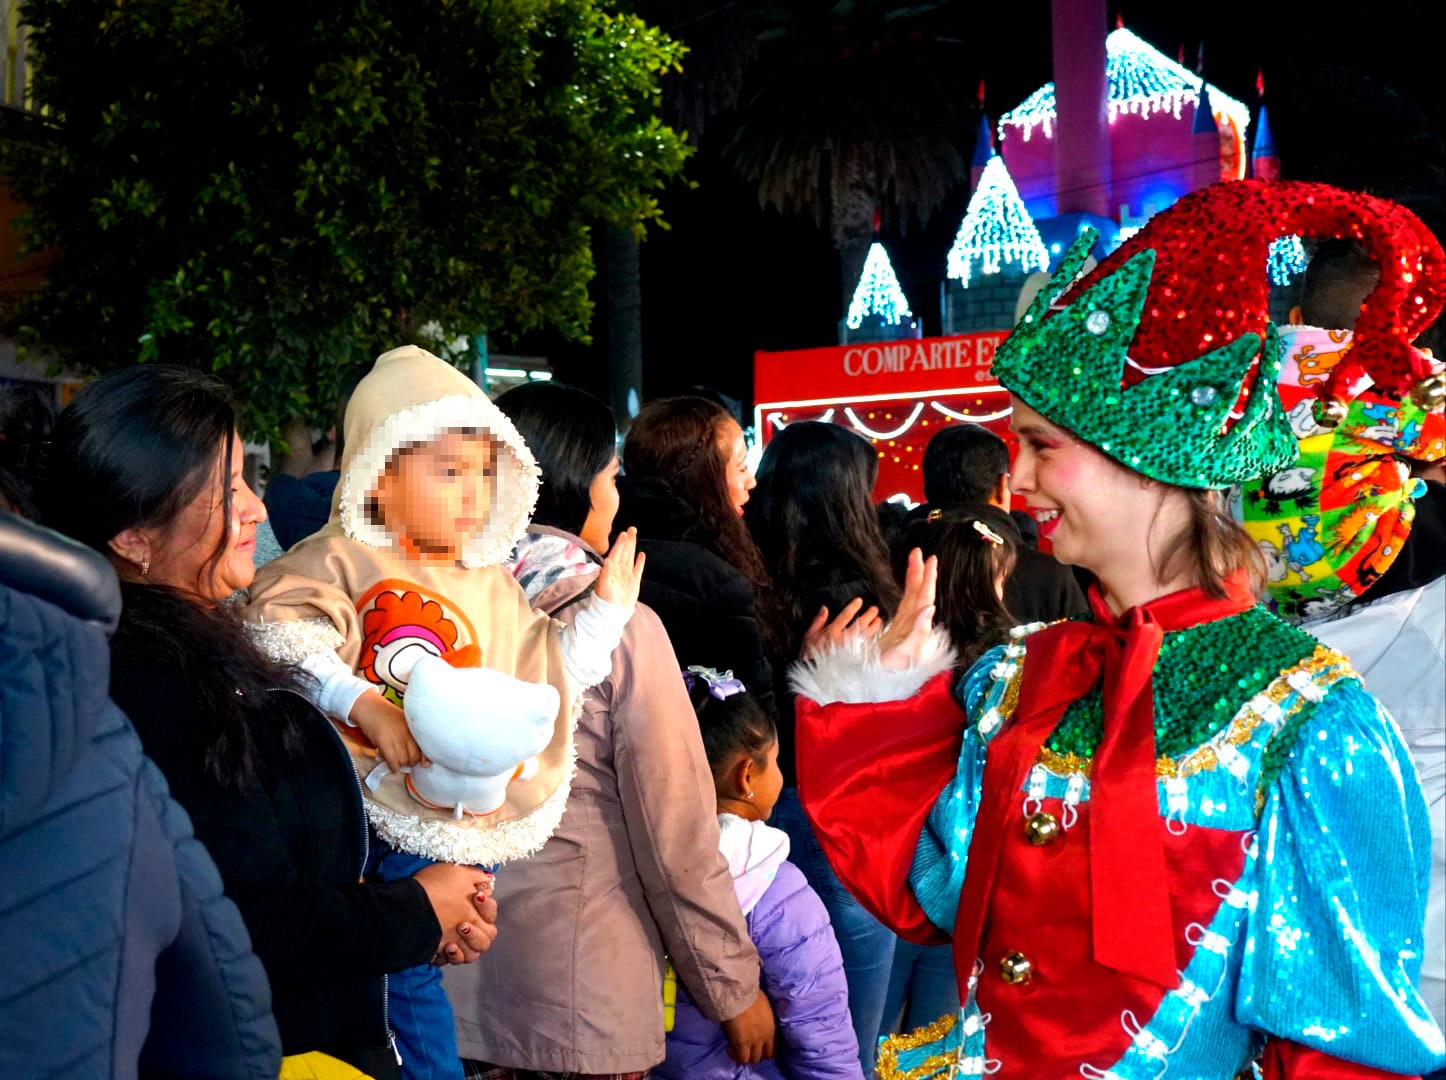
(707, 605)
(291, 850)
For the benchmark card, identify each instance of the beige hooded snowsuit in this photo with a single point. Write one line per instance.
(351, 590)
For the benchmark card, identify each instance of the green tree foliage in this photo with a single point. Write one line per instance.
(275, 191)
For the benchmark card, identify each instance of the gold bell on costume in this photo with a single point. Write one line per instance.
(1042, 828)
(1015, 969)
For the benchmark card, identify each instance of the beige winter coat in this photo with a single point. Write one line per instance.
(353, 588)
(573, 982)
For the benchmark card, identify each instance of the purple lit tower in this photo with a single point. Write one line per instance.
(1121, 133)
(1115, 136)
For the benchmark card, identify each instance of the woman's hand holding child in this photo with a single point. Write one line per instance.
(461, 898)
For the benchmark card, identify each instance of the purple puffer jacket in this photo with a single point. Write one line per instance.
(802, 976)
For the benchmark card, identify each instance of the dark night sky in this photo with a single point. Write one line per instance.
(1353, 101)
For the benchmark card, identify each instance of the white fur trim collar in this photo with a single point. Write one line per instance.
(853, 674)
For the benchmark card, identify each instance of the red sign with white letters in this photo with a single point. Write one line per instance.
(896, 394)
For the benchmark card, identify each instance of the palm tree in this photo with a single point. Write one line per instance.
(858, 109)
(719, 47)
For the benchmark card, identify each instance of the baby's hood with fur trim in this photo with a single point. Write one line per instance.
(411, 397)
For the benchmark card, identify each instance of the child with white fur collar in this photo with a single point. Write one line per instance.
(425, 651)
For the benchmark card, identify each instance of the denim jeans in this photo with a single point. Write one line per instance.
(420, 1014)
(867, 945)
(923, 987)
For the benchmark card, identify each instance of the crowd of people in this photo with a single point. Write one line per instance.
(508, 750)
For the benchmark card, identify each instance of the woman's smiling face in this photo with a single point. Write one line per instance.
(1095, 512)
(183, 551)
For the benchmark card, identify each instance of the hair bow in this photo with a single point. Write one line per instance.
(721, 684)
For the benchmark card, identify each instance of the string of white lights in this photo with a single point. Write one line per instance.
(997, 230)
(878, 292)
(1142, 80)
(777, 421)
(864, 429)
(971, 418)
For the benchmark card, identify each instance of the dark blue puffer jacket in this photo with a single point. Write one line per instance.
(121, 956)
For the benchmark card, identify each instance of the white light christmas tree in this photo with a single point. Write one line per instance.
(878, 293)
(1286, 259)
(997, 230)
(1142, 80)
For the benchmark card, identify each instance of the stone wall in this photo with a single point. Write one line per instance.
(988, 303)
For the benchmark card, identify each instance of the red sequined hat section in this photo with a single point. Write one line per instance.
(1210, 286)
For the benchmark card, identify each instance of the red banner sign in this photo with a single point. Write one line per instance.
(896, 394)
(875, 368)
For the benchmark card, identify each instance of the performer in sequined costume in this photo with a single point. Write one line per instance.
(1178, 836)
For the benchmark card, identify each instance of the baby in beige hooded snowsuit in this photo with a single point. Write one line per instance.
(381, 603)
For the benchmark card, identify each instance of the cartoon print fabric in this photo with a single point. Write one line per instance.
(1333, 522)
(400, 625)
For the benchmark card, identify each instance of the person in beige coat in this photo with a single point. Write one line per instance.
(633, 877)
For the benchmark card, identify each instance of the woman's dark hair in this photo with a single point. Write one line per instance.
(14, 497)
(132, 450)
(893, 517)
(27, 414)
(733, 726)
(1211, 547)
(675, 441)
(967, 604)
(573, 436)
(136, 447)
(814, 521)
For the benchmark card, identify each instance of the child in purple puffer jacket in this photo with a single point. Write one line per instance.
(802, 971)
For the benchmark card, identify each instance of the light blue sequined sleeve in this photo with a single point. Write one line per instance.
(937, 876)
(1333, 944)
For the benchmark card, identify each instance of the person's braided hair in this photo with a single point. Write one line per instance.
(675, 441)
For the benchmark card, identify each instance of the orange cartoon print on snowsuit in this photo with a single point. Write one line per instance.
(399, 630)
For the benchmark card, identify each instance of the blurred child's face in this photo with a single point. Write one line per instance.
(436, 496)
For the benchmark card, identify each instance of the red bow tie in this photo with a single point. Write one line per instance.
(1129, 891)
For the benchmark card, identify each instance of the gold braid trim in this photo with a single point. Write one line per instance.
(1324, 667)
(1010, 701)
(887, 1065)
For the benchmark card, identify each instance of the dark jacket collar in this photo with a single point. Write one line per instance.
(56, 569)
(655, 509)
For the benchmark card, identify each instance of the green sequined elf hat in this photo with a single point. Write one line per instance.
(1164, 355)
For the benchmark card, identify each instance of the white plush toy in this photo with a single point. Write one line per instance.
(480, 729)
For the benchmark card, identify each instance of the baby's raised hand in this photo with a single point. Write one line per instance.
(386, 726)
(622, 571)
